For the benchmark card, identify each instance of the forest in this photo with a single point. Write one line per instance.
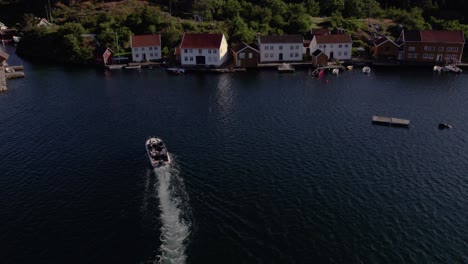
(114, 21)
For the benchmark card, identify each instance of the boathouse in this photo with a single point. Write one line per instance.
(203, 49)
(103, 55)
(385, 49)
(280, 48)
(245, 55)
(146, 47)
(432, 46)
(319, 58)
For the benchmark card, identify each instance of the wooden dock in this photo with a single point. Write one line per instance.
(390, 121)
(3, 86)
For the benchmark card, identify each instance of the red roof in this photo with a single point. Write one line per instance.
(201, 41)
(146, 40)
(336, 38)
(447, 36)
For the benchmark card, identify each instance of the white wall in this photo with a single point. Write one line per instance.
(270, 52)
(341, 51)
(215, 57)
(151, 53)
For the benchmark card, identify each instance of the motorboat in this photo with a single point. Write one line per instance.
(133, 67)
(444, 126)
(176, 70)
(349, 67)
(366, 69)
(157, 152)
(115, 67)
(285, 67)
(453, 68)
(437, 68)
(336, 71)
(16, 39)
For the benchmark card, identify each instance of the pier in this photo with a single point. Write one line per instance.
(9, 72)
(3, 87)
(390, 121)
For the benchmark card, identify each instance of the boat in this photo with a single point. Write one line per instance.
(133, 67)
(115, 67)
(285, 67)
(157, 152)
(176, 70)
(444, 126)
(16, 39)
(349, 67)
(336, 71)
(366, 69)
(453, 68)
(437, 68)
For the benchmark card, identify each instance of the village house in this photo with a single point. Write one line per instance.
(103, 55)
(280, 48)
(319, 58)
(384, 49)
(146, 47)
(432, 46)
(245, 55)
(3, 27)
(203, 49)
(334, 46)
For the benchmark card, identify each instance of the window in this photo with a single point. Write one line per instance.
(250, 55)
(209, 58)
(135, 49)
(266, 47)
(151, 54)
(455, 49)
(291, 55)
(150, 48)
(271, 47)
(447, 57)
(297, 46)
(320, 46)
(241, 55)
(340, 46)
(291, 47)
(200, 51)
(431, 56)
(412, 49)
(324, 46)
(155, 48)
(331, 45)
(454, 57)
(441, 49)
(266, 55)
(346, 45)
(271, 55)
(191, 50)
(209, 51)
(296, 55)
(214, 51)
(339, 53)
(185, 58)
(425, 56)
(142, 48)
(280, 47)
(449, 49)
(137, 55)
(191, 58)
(185, 50)
(346, 53)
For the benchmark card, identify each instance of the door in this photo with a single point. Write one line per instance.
(439, 57)
(200, 60)
(281, 56)
(331, 55)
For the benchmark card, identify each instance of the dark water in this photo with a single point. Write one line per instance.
(269, 168)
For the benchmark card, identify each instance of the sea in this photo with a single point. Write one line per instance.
(267, 167)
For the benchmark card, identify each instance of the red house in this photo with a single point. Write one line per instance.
(103, 56)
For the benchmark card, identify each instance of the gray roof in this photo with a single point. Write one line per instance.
(281, 39)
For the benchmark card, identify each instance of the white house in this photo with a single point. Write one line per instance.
(277, 48)
(335, 46)
(203, 49)
(146, 47)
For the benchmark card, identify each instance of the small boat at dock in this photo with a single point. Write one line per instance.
(366, 69)
(336, 71)
(115, 67)
(176, 70)
(133, 67)
(157, 152)
(285, 67)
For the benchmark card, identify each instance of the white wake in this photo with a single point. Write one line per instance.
(175, 230)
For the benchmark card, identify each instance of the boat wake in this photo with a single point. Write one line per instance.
(175, 227)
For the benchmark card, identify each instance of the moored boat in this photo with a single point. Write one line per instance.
(133, 67)
(157, 152)
(286, 67)
(175, 70)
(366, 69)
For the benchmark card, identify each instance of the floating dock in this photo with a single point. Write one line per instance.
(3, 87)
(390, 121)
